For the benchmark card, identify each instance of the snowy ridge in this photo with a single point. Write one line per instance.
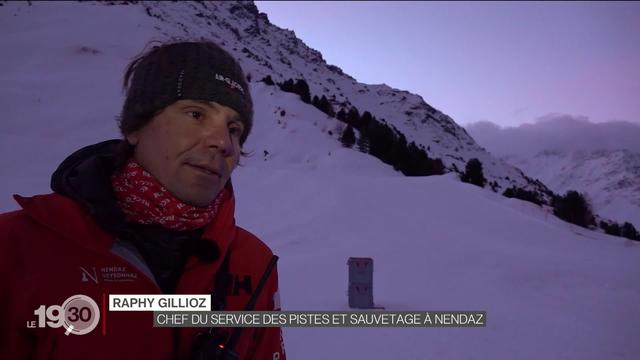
(265, 49)
(609, 177)
(568, 152)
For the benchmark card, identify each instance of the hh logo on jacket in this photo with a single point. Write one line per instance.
(238, 283)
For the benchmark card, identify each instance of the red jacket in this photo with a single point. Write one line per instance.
(48, 248)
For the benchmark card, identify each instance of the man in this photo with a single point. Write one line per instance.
(150, 214)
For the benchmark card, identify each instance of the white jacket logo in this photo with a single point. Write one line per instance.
(86, 274)
(108, 274)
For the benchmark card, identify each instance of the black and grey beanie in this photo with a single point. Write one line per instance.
(184, 70)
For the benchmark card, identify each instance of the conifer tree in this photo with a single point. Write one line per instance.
(629, 231)
(325, 106)
(365, 120)
(353, 118)
(268, 80)
(363, 143)
(348, 137)
(574, 208)
(302, 88)
(473, 173)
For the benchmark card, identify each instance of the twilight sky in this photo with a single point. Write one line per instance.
(505, 62)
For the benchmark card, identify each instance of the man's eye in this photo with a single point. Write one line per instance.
(195, 114)
(235, 130)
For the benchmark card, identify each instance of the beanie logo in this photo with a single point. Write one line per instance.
(233, 84)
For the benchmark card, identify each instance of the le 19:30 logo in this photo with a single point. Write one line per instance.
(79, 315)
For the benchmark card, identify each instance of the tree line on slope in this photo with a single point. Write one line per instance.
(390, 146)
(572, 207)
(375, 137)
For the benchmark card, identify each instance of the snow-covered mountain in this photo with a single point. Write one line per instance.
(570, 153)
(611, 178)
(265, 49)
(551, 289)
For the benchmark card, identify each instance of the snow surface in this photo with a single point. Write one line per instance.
(551, 290)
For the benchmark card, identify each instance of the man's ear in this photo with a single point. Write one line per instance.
(133, 138)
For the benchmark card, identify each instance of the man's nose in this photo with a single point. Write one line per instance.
(219, 138)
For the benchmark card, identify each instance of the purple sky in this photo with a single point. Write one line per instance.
(504, 62)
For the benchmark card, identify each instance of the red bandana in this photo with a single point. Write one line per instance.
(145, 201)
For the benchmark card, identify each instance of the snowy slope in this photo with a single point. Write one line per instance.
(609, 177)
(75, 54)
(569, 152)
(65, 82)
(265, 49)
(551, 290)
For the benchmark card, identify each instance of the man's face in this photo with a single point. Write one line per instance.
(191, 147)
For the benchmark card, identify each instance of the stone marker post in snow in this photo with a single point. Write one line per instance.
(360, 282)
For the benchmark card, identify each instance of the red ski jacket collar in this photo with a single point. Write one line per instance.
(63, 215)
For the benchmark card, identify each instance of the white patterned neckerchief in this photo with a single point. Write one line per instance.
(145, 201)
